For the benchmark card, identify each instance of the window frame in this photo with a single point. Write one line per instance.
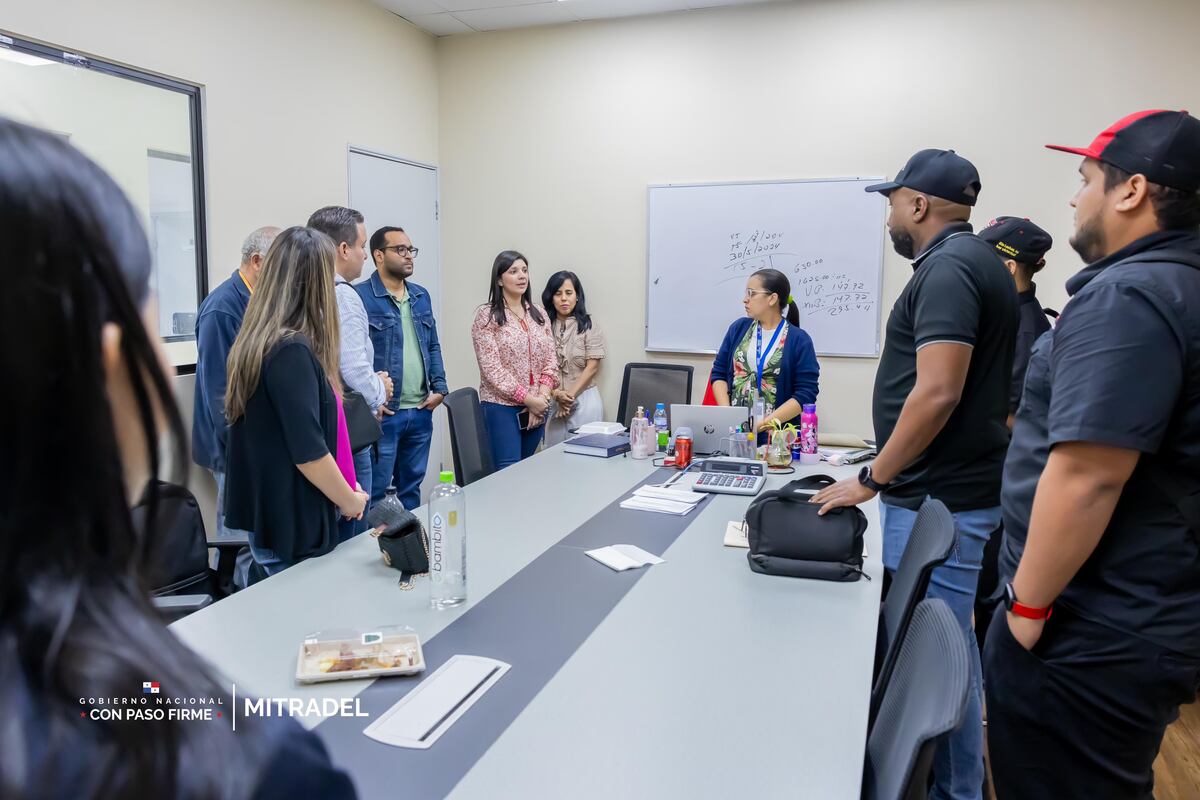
(192, 91)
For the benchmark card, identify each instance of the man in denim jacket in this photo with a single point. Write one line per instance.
(400, 314)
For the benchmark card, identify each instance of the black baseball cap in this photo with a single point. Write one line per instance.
(1162, 145)
(1017, 238)
(941, 173)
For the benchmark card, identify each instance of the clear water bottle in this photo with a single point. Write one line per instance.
(758, 410)
(447, 544)
(660, 426)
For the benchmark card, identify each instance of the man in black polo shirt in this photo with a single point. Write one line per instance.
(940, 404)
(1023, 246)
(1101, 489)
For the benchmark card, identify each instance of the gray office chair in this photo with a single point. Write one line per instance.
(469, 442)
(928, 546)
(647, 384)
(925, 701)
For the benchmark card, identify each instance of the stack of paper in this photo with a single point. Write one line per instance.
(623, 556)
(663, 501)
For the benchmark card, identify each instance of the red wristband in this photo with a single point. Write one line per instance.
(1022, 610)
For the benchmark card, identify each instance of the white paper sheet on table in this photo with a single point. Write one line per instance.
(621, 557)
(662, 501)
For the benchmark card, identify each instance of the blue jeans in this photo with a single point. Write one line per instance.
(349, 528)
(510, 444)
(958, 764)
(241, 570)
(403, 455)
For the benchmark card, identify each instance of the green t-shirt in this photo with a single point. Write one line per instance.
(411, 390)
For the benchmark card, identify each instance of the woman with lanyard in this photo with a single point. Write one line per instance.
(766, 354)
(517, 363)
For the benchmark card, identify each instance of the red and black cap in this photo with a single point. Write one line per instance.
(1162, 145)
(941, 173)
(1017, 238)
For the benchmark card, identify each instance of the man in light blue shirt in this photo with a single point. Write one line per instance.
(356, 357)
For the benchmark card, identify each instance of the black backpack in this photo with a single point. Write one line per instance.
(787, 537)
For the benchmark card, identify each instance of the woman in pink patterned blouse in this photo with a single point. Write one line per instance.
(517, 365)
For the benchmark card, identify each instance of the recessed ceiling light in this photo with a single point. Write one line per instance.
(18, 57)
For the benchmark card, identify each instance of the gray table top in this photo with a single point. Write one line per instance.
(706, 680)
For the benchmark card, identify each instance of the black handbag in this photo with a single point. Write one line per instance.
(787, 537)
(361, 424)
(403, 542)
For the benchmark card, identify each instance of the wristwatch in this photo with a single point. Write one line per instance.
(864, 477)
(1020, 609)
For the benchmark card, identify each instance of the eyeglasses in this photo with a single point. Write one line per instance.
(751, 292)
(401, 249)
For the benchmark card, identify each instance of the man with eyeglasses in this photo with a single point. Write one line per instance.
(404, 336)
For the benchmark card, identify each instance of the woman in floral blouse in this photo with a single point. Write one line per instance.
(764, 353)
(517, 364)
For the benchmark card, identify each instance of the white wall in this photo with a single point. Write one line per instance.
(549, 136)
(287, 85)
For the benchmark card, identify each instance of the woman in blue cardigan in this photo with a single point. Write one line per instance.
(764, 352)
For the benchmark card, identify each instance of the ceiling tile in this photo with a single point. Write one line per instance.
(598, 9)
(444, 24)
(410, 8)
(474, 5)
(715, 3)
(494, 19)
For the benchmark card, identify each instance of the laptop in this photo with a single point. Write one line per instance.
(709, 424)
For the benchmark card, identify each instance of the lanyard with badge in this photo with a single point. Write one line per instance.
(761, 359)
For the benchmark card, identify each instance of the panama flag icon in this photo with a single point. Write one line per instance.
(149, 687)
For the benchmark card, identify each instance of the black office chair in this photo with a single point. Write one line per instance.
(468, 437)
(928, 546)
(647, 384)
(180, 572)
(925, 701)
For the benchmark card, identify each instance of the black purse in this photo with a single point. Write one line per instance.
(787, 537)
(361, 424)
(403, 542)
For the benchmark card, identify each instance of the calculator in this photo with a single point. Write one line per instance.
(731, 476)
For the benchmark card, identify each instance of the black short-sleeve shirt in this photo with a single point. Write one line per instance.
(290, 419)
(1033, 324)
(1122, 368)
(959, 292)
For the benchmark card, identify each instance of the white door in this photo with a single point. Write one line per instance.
(391, 191)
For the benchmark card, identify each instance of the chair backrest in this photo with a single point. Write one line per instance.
(647, 384)
(925, 701)
(469, 442)
(928, 546)
(180, 561)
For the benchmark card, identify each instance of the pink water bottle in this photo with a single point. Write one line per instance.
(809, 454)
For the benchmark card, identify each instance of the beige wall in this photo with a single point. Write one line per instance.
(549, 136)
(287, 85)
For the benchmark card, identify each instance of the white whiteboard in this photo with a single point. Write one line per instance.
(704, 240)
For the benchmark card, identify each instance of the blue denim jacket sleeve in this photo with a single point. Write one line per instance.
(433, 359)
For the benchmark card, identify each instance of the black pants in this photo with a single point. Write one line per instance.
(1083, 713)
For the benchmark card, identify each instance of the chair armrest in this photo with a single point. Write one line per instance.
(178, 606)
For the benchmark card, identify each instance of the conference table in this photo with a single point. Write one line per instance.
(693, 678)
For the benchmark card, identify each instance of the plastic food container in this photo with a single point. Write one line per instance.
(346, 654)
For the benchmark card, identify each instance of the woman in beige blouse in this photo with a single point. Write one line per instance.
(579, 347)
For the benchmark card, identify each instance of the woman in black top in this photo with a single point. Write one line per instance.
(77, 626)
(287, 472)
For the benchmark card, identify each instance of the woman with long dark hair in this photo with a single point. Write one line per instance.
(290, 466)
(579, 348)
(766, 355)
(76, 621)
(517, 368)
